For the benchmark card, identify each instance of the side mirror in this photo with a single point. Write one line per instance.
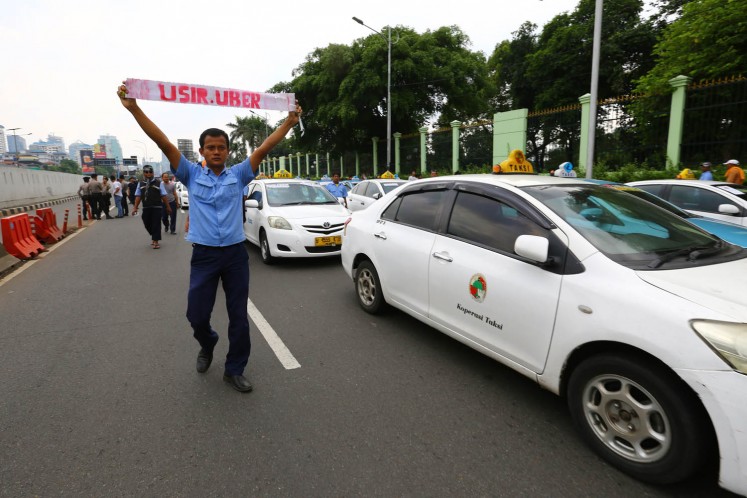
(728, 209)
(251, 203)
(377, 196)
(532, 247)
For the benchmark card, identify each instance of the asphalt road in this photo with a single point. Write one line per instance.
(99, 395)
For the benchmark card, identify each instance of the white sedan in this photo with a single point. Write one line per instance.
(637, 317)
(293, 219)
(368, 191)
(181, 192)
(717, 200)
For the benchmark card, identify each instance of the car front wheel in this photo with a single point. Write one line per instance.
(639, 417)
(368, 288)
(264, 249)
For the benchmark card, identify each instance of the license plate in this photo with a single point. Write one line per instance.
(328, 241)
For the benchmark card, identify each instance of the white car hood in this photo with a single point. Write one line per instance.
(305, 211)
(721, 287)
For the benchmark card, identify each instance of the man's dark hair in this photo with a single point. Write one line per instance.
(213, 132)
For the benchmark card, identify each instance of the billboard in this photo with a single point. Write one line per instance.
(86, 161)
(99, 151)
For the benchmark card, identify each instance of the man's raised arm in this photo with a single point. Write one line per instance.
(150, 128)
(275, 137)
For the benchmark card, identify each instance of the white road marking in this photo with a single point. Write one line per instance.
(281, 351)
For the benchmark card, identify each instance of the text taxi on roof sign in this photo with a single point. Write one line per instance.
(515, 164)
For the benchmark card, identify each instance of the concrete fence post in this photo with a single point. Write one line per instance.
(397, 137)
(375, 141)
(423, 149)
(509, 133)
(455, 145)
(585, 101)
(676, 118)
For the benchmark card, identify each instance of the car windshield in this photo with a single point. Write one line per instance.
(389, 186)
(647, 196)
(298, 193)
(630, 231)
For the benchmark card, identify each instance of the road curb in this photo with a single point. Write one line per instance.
(31, 207)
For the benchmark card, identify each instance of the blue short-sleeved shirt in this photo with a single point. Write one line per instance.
(338, 190)
(215, 204)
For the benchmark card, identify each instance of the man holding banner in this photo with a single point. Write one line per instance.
(215, 230)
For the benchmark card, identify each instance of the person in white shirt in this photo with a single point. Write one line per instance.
(117, 193)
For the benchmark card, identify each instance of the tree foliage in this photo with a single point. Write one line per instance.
(343, 88)
(709, 40)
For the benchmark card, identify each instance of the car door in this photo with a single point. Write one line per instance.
(253, 215)
(482, 291)
(403, 238)
(356, 198)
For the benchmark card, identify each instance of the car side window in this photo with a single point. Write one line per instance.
(371, 189)
(489, 222)
(359, 189)
(697, 199)
(653, 189)
(419, 209)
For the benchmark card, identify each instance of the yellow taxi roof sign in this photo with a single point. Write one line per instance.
(387, 174)
(281, 173)
(515, 164)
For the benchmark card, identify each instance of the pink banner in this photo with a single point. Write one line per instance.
(185, 93)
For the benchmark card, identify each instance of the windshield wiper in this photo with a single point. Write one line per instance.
(293, 203)
(692, 254)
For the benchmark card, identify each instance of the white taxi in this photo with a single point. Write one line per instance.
(368, 191)
(637, 317)
(290, 218)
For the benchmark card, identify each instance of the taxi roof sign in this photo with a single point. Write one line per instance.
(281, 173)
(516, 163)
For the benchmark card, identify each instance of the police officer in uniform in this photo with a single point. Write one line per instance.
(95, 189)
(84, 195)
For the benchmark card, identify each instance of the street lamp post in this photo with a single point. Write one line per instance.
(145, 157)
(388, 38)
(594, 87)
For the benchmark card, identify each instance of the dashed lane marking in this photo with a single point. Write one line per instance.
(281, 351)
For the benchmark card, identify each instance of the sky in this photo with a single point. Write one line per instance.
(63, 61)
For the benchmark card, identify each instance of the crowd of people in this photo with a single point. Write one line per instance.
(733, 173)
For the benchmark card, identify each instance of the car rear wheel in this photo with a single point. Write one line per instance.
(639, 417)
(368, 288)
(264, 249)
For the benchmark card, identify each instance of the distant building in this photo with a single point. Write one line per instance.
(53, 144)
(16, 144)
(185, 147)
(75, 148)
(113, 149)
(3, 146)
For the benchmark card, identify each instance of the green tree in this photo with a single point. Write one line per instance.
(709, 40)
(343, 89)
(67, 166)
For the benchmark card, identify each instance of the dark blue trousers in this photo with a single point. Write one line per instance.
(231, 266)
(165, 218)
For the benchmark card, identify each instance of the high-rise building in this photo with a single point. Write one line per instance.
(53, 144)
(3, 146)
(113, 149)
(75, 149)
(16, 144)
(185, 147)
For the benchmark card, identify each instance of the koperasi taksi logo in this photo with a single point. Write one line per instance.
(478, 287)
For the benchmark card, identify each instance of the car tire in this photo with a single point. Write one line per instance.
(264, 249)
(368, 288)
(640, 417)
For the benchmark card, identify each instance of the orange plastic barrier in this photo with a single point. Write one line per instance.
(45, 224)
(64, 225)
(18, 239)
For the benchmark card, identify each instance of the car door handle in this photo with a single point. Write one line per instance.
(443, 256)
(380, 235)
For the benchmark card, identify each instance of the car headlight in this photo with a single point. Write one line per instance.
(278, 222)
(727, 339)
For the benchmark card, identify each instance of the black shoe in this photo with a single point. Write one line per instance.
(204, 359)
(109, 218)
(173, 233)
(238, 382)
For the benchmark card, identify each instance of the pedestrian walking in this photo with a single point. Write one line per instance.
(125, 195)
(153, 196)
(216, 234)
(131, 188)
(172, 201)
(106, 197)
(734, 173)
(117, 196)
